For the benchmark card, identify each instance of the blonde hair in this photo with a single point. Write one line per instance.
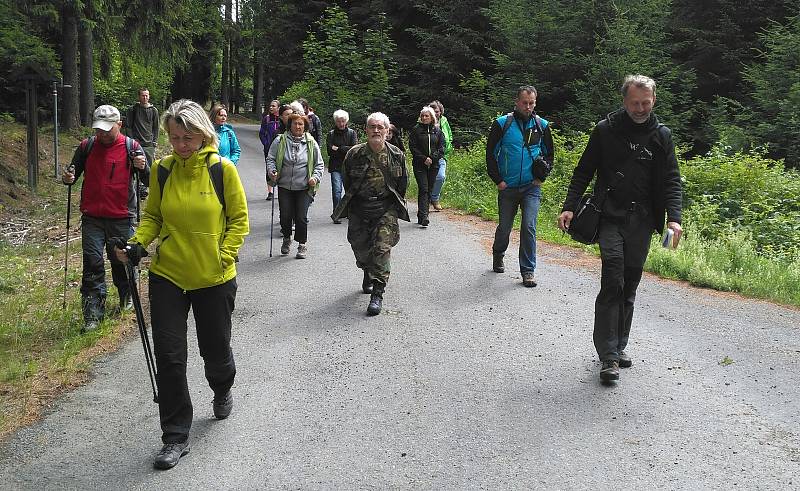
(192, 118)
(429, 110)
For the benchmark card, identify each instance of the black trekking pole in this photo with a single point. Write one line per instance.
(272, 220)
(137, 306)
(66, 246)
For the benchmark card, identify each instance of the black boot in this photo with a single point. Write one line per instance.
(366, 283)
(376, 300)
(497, 263)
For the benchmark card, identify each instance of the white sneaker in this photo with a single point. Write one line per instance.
(302, 249)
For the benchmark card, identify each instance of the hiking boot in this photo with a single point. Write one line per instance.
(375, 304)
(337, 221)
(170, 454)
(625, 360)
(423, 222)
(269, 196)
(436, 206)
(91, 325)
(528, 279)
(223, 406)
(302, 250)
(126, 303)
(497, 263)
(366, 283)
(610, 370)
(287, 243)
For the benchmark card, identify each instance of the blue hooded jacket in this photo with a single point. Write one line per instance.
(228, 143)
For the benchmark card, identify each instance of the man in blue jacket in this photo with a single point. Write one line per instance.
(519, 157)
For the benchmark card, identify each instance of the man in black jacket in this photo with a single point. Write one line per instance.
(340, 140)
(634, 159)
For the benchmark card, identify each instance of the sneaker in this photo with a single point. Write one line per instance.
(90, 326)
(528, 279)
(269, 196)
(375, 304)
(625, 360)
(424, 222)
(170, 454)
(337, 221)
(126, 303)
(610, 370)
(224, 406)
(436, 206)
(497, 263)
(302, 249)
(287, 243)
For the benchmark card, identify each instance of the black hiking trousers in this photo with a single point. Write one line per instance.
(169, 309)
(624, 244)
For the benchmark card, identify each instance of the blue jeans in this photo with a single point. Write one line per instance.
(528, 198)
(440, 177)
(336, 187)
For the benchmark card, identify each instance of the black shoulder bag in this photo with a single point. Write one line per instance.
(585, 223)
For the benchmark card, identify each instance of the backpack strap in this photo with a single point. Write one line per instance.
(163, 174)
(506, 125)
(215, 172)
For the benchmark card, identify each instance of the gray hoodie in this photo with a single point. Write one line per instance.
(294, 172)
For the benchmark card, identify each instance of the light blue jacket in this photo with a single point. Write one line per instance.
(514, 161)
(228, 143)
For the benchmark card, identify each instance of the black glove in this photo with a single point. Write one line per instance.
(134, 250)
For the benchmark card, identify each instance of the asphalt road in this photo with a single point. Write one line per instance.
(467, 380)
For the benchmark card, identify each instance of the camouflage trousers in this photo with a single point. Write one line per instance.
(372, 241)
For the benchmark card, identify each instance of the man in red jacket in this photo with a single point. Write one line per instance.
(108, 162)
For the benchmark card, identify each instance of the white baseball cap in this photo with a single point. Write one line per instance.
(105, 117)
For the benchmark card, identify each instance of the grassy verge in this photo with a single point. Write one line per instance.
(730, 261)
(41, 349)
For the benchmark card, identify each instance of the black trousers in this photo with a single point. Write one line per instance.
(426, 177)
(169, 309)
(624, 244)
(294, 209)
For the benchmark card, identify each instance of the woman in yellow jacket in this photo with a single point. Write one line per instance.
(200, 229)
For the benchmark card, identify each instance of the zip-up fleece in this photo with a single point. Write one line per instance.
(197, 242)
(228, 143)
(426, 140)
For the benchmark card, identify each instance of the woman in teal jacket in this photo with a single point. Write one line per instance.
(228, 143)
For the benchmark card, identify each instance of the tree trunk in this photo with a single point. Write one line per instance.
(70, 111)
(226, 55)
(258, 86)
(86, 67)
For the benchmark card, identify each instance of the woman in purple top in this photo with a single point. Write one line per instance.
(270, 122)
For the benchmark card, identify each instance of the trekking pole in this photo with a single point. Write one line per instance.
(272, 220)
(66, 247)
(137, 306)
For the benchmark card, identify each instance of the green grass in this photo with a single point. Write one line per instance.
(730, 261)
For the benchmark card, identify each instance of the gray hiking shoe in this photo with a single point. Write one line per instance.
(287, 243)
(302, 250)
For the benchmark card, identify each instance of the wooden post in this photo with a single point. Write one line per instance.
(33, 133)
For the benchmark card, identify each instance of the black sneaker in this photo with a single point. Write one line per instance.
(126, 303)
(610, 370)
(223, 406)
(497, 263)
(269, 196)
(170, 454)
(625, 360)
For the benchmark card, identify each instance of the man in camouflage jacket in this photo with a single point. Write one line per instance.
(375, 180)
